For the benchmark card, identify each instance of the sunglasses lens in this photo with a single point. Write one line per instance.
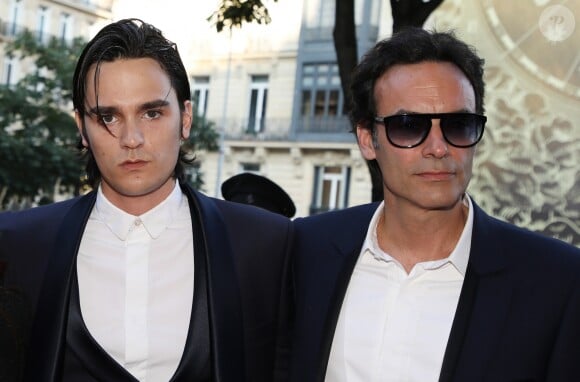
(410, 130)
(462, 130)
(407, 130)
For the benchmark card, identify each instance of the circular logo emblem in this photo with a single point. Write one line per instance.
(557, 23)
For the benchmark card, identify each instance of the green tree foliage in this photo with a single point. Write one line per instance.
(203, 136)
(233, 13)
(37, 129)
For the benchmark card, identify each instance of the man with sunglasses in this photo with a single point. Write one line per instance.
(425, 286)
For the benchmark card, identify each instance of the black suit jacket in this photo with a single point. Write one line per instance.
(243, 251)
(518, 316)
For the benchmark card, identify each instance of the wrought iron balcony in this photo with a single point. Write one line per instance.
(280, 129)
(272, 129)
(327, 125)
(10, 29)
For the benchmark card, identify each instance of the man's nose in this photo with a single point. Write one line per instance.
(435, 144)
(132, 134)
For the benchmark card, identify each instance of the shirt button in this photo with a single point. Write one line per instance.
(137, 222)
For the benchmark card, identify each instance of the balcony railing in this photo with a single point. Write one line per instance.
(324, 33)
(313, 210)
(280, 129)
(10, 29)
(328, 125)
(272, 129)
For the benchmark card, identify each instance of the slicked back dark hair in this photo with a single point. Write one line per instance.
(128, 39)
(410, 46)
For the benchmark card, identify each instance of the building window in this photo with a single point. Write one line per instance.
(331, 184)
(322, 102)
(321, 92)
(9, 71)
(254, 168)
(194, 176)
(320, 13)
(42, 24)
(13, 28)
(327, 11)
(200, 95)
(258, 99)
(65, 27)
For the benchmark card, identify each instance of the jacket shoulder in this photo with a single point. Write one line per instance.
(233, 212)
(46, 214)
(530, 249)
(339, 218)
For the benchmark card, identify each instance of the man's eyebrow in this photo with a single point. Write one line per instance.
(154, 104)
(406, 111)
(100, 110)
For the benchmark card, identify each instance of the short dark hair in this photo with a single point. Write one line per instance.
(410, 46)
(129, 39)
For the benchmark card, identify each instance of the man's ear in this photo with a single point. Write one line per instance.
(79, 122)
(186, 119)
(366, 145)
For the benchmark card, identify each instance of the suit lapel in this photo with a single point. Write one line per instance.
(346, 268)
(338, 265)
(223, 300)
(460, 325)
(483, 305)
(80, 342)
(48, 336)
(196, 362)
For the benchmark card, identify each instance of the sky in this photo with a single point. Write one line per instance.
(185, 23)
(173, 17)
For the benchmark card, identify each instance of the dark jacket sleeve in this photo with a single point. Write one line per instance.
(564, 363)
(26, 238)
(262, 241)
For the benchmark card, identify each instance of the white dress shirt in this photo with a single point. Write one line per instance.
(394, 326)
(135, 276)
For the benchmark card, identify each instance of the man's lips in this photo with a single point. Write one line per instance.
(436, 175)
(133, 164)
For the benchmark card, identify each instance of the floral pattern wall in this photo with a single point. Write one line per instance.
(527, 167)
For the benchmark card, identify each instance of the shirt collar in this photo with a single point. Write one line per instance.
(458, 257)
(155, 221)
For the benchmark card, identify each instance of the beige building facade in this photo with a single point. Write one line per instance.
(63, 19)
(274, 93)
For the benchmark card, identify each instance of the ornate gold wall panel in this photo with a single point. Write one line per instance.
(527, 167)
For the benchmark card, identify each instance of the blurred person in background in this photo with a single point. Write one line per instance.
(259, 191)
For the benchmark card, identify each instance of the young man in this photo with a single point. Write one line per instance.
(425, 286)
(143, 278)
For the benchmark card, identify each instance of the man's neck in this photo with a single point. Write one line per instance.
(414, 236)
(139, 204)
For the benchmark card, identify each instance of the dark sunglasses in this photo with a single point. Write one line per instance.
(410, 130)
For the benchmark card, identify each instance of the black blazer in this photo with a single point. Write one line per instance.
(518, 317)
(244, 251)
